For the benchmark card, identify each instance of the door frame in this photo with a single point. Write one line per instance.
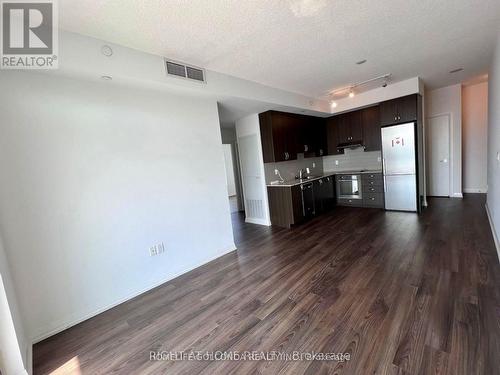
(449, 115)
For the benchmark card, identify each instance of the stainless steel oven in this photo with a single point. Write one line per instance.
(349, 186)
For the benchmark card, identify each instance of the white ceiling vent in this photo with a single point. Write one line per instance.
(178, 69)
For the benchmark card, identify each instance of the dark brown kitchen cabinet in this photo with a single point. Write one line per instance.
(290, 205)
(324, 194)
(320, 137)
(372, 136)
(400, 110)
(350, 128)
(285, 205)
(306, 143)
(344, 128)
(333, 135)
(279, 136)
(354, 125)
(284, 135)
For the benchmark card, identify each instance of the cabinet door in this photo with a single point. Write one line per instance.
(333, 135)
(320, 137)
(344, 127)
(328, 193)
(285, 127)
(266, 137)
(389, 112)
(297, 209)
(307, 199)
(280, 125)
(307, 136)
(372, 138)
(407, 108)
(355, 126)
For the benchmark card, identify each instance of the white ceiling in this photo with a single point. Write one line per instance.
(303, 46)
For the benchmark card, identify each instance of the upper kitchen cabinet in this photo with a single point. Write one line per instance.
(320, 137)
(333, 126)
(354, 126)
(343, 129)
(306, 135)
(284, 135)
(279, 136)
(400, 110)
(372, 137)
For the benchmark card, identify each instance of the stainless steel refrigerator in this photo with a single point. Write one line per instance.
(399, 163)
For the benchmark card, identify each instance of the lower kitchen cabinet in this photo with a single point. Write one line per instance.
(291, 205)
(373, 190)
(324, 194)
(285, 205)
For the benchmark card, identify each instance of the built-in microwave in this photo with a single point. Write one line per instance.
(349, 186)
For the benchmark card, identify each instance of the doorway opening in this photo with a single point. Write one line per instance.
(232, 165)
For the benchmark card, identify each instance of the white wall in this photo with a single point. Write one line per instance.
(475, 137)
(93, 174)
(14, 347)
(394, 90)
(81, 56)
(252, 170)
(448, 100)
(493, 200)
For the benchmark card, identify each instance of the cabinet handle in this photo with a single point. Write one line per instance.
(372, 198)
(371, 182)
(371, 176)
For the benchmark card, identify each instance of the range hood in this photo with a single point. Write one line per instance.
(351, 145)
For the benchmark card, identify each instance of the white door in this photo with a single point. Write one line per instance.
(438, 156)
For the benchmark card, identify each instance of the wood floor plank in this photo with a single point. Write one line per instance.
(401, 293)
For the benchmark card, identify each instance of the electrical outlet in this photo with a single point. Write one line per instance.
(379, 159)
(157, 249)
(314, 165)
(336, 162)
(276, 172)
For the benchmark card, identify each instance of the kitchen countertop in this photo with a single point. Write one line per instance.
(294, 182)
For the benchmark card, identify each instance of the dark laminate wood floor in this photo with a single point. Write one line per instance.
(402, 294)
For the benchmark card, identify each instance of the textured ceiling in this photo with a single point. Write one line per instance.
(303, 46)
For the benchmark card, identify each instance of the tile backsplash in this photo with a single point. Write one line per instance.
(356, 159)
(289, 169)
(353, 160)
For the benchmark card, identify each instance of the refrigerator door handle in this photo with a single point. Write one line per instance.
(383, 173)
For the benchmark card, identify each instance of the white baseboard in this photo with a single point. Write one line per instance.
(493, 230)
(475, 190)
(257, 221)
(70, 323)
(457, 195)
